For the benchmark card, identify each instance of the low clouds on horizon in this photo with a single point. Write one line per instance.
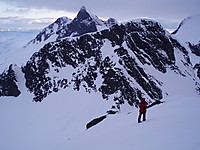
(121, 10)
(168, 12)
(18, 23)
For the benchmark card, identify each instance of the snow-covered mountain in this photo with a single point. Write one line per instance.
(51, 31)
(188, 29)
(92, 73)
(188, 35)
(84, 22)
(122, 63)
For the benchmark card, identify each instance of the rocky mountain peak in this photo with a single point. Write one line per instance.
(83, 23)
(63, 27)
(83, 8)
(83, 14)
(62, 20)
(53, 29)
(112, 21)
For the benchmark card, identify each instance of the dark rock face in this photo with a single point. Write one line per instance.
(111, 22)
(133, 44)
(95, 121)
(55, 56)
(155, 45)
(80, 25)
(195, 48)
(8, 86)
(197, 67)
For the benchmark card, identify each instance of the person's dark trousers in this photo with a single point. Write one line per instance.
(140, 115)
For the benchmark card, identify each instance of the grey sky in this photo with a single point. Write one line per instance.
(166, 11)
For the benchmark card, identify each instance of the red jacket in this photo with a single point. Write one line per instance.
(143, 106)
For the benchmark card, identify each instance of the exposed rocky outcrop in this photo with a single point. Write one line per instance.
(134, 43)
(195, 48)
(197, 67)
(8, 83)
(95, 121)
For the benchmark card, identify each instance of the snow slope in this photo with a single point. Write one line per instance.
(188, 30)
(59, 122)
(164, 130)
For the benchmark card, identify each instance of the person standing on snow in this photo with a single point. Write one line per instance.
(143, 110)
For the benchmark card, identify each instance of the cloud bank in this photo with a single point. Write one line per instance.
(168, 12)
(18, 23)
(121, 10)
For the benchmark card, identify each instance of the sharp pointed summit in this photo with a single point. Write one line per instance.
(83, 23)
(83, 8)
(83, 14)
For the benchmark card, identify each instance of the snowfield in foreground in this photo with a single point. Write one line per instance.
(59, 123)
(165, 129)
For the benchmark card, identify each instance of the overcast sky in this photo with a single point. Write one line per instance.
(39, 13)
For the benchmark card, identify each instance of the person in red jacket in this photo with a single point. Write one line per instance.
(143, 110)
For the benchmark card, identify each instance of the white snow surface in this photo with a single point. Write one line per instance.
(190, 30)
(59, 121)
